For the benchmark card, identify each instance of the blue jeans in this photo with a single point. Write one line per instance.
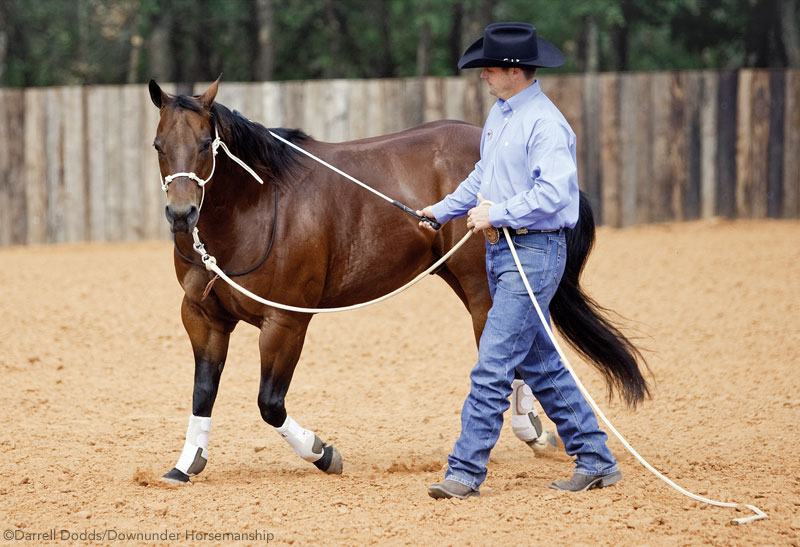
(514, 338)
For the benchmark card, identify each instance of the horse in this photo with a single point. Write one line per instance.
(306, 238)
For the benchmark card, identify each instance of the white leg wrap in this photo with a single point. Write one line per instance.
(195, 450)
(523, 412)
(304, 442)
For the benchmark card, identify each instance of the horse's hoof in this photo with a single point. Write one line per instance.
(331, 461)
(546, 443)
(336, 465)
(176, 476)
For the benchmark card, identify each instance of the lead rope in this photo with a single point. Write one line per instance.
(211, 265)
(759, 514)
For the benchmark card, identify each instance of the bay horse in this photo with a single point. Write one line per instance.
(308, 238)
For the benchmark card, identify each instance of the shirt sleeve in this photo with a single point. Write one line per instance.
(462, 199)
(553, 172)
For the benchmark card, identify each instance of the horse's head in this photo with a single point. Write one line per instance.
(184, 145)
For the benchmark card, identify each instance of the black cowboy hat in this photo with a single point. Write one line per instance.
(511, 45)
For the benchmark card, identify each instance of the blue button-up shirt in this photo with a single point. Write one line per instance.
(528, 167)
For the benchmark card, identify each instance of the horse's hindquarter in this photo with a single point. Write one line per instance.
(377, 247)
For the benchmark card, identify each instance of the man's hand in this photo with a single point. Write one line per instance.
(478, 217)
(427, 212)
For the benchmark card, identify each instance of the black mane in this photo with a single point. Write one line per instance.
(251, 141)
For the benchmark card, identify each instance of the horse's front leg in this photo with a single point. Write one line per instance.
(209, 338)
(281, 341)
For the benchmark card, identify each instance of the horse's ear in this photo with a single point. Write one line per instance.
(158, 97)
(207, 98)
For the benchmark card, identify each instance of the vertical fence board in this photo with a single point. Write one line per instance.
(474, 91)
(132, 186)
(589, 148)
(629, 148)
(610, 149)
(114, 198)
(272, 111)
(374, 111)
(15, 119)
(690, 190)
(35, 167)
(676, 168)
(644, 136)
(752, 134)
(661, 112)
(313, 98)
(433, 104)
(454, 95)
(54, 154)
(708, 143)
(393, 95)
(744, 136)
(232, 95)
(791, 151)
(357, 98)
(775, 143)
(727, 121)
(336, 111)
(292, 105)
(253, 106)
(76, 210)
(5, 168)
(412, 96)
(96, 121)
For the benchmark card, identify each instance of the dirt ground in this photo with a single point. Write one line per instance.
(97, 385)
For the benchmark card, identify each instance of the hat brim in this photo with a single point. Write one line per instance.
(549, 56)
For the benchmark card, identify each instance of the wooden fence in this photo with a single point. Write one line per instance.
(76, 163)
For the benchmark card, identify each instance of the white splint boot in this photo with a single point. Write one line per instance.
(525, 421)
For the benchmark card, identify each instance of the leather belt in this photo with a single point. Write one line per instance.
(492, 234)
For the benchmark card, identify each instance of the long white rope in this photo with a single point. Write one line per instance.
(744, 520)
(211, 264)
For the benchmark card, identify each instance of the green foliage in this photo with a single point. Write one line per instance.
(57, 42)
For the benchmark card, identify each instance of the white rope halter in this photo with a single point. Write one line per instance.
(215, 144)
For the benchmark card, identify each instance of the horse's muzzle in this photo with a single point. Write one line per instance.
(182, 219)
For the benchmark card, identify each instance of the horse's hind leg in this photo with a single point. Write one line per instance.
(281, 341)
(209, 340)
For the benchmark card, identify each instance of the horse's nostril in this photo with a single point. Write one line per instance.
(182, 219)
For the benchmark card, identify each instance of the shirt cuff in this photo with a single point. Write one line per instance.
(440, 212)
(496, 214)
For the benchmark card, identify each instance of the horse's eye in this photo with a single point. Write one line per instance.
(158, 149)
(205, 146)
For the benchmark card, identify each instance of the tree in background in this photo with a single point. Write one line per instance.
(57, 42)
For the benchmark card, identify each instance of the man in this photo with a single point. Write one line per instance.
(527, 181)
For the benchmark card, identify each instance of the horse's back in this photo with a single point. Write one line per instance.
(436, 129)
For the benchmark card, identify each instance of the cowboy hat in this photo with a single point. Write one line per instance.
(511, 45)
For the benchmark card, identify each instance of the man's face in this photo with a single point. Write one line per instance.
(500, 81)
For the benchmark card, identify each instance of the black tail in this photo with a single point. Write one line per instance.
(584, 323)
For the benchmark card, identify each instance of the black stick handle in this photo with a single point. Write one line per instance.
(414, 214)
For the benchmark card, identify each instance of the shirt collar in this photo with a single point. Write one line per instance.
(515, 102)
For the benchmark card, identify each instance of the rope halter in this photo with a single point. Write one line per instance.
(215, 144)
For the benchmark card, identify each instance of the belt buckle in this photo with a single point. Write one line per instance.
(522, 231)
(492, 235)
